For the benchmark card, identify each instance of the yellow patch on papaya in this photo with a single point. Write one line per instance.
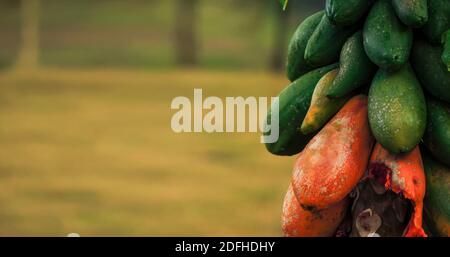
(322, 108)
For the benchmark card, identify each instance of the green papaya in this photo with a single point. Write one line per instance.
(296, 64)
(326, 42)
(438, 20)
(431, 71)
(293, 104)
(322, 108)
(387, 41)
(413, 13)
(446, 53)
(397, 109)
(355, 68)
(437, 134)
(346, 12)
(436, 202)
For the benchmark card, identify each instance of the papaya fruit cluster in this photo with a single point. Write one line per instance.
(368, 113)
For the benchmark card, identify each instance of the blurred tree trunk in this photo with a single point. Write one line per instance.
(277, 58)
(29, 48)
(185, 33)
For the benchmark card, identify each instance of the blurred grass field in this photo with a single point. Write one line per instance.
(85, 140)
(92, 152)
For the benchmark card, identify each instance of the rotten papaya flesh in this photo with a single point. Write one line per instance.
(296, 64)
(293, 104)
(378, 212)
(402, 174)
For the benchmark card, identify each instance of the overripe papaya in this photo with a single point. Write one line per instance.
(437, 205)
(404, 175)
(430, 70)
(377, 211)
(333, 162)
(296, 64)
(437, 134)
(397, 109)
(326, 42)
(346, 12)
(438, 20)
(293, 104)
(322, 108)
(413, 13)
(387, 41)
(298, 222)
(355, 68)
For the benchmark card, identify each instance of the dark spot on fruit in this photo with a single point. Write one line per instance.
(379, 172)
(313, 209)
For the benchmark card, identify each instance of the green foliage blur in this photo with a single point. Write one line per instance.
(232, 34)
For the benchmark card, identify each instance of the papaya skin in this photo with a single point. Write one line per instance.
(355, 68)
(346, 12)
(294, 102)
(446, 53)
(298, 222)
(437, 134)
(397, 110)
(430, 70)
(387, 41)
(402, 174)
(296, 64)
(325, 44)
(333, 162)
(322, 108)
(413, 13)
(437, 207)
(438, 20)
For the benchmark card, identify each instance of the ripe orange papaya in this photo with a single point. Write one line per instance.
(298, 222)
(334, 161)
(404, 175)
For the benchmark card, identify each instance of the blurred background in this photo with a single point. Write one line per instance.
(85, 140)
